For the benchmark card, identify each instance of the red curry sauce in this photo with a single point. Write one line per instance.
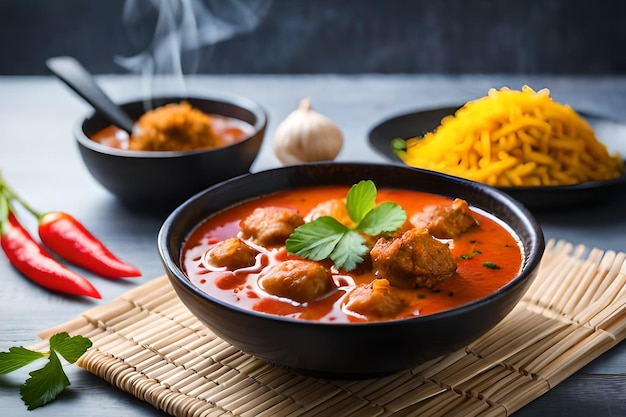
(488, 257)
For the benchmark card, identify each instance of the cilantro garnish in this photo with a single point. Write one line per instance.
(44, 384)
(326, 238)
(490, 265)
(471, 254)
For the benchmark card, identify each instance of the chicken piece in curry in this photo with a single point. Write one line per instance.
(299, 280)
(445, 221)
(232, 253)
(374, 300)
(415, 259)
(270, 226)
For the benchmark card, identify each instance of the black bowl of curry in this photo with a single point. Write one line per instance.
(350, 270)
(179, 147)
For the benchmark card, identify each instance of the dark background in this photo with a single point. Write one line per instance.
(344, 36)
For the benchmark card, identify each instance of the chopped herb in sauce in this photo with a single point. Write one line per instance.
(471, 254)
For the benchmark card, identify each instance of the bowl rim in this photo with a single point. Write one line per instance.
(529, 266)
(219, 96)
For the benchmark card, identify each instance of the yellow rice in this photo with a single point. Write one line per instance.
(515, 138)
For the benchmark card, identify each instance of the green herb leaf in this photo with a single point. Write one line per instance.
(490, 265)
(16, 358)
(349, 251)
(326, 238)
(316, 240)
(71, 348)
(471, 254)
(360, 200)
(386, 217)
(44, 384)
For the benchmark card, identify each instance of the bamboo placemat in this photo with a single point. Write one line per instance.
(148, 344)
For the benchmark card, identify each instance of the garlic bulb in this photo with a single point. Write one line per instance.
(306, 136)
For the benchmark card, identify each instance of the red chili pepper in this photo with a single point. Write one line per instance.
(68, 238)
(36, 263)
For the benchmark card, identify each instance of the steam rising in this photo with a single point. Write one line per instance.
(174, 33)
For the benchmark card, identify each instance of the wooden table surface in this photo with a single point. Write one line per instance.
(39, 158)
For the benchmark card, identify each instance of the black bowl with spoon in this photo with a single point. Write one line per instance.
(158, 180)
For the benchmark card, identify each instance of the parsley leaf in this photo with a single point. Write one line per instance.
(360, 200)
(16, 358)
(71, 348)
(45, 384)
(350, 251)
(386, 217)
(316, 240)
(327, 238)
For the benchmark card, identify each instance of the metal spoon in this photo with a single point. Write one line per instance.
(72, 73)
